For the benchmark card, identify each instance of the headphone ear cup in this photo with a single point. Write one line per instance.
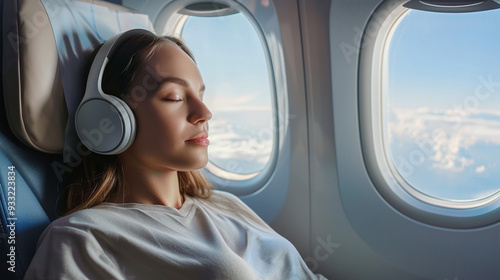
(105, 125)
(129, 137)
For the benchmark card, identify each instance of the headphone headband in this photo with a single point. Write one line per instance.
(94, 80)
(104, 123)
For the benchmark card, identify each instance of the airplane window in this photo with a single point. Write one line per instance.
(441, 103)
(233, 64)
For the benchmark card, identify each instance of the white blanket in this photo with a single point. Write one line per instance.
(216, 238)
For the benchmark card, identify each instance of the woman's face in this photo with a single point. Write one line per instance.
(167, 100)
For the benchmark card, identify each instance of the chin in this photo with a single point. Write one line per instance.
(202, 164)
(191, 166)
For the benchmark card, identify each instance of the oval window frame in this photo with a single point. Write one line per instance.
(378, 161)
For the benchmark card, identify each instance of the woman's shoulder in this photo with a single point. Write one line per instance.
(80, 215)
(229, 204)
(90, 219)
(225, 199)
(224, 196)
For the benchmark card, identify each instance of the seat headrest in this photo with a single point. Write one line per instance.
(46, 45)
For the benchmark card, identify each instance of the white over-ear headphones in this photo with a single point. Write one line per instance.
(104, 123)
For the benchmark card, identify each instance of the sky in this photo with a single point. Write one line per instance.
(443, 114)
(233, 65)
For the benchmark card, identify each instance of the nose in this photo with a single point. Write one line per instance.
(199, 112)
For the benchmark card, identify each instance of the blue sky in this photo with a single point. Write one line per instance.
(439, 55)
(233, 65)
(444, 103)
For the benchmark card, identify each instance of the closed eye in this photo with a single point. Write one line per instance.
(172, 100)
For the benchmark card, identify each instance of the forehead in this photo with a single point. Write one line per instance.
(170, 60)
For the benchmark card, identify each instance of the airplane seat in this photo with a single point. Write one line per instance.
(45, 48)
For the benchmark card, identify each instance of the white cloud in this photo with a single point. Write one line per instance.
(236, 150)
(446, 135)
(480, 169)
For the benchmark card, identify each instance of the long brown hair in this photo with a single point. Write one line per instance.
(98, 177)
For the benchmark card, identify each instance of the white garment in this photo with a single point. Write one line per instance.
(215, 238)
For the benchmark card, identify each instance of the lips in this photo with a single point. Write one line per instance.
(200, 139)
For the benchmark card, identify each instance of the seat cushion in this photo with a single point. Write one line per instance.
(45, 50)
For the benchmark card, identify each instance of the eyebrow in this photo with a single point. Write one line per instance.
(178, 81)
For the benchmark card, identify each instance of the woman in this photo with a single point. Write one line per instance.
(147, 213)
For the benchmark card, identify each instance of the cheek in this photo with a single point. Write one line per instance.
(155, 127)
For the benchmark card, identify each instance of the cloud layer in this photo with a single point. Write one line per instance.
(240, 144)
(446, 136)
(449, 154)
